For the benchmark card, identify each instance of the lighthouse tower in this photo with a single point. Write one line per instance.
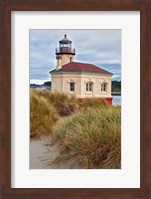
(65, 53)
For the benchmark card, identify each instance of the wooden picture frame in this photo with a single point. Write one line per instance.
(6, 6)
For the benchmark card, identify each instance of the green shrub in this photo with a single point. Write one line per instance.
(42, 115)
(93, 137)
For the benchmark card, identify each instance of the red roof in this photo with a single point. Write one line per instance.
(81, 67)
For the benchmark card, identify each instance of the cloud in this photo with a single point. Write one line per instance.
(99, 47)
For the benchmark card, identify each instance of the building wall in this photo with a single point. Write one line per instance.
(76, 78)
(96, 80)
(61, 83)
(56, 84)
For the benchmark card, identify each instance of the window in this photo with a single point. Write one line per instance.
(104, 87)
(71, 86)
(89, 86)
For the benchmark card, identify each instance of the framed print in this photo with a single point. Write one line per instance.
(117, 34)
(21, 76)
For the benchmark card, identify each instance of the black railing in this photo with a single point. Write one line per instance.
(65, 50)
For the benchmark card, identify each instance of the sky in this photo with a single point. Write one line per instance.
(99, 47)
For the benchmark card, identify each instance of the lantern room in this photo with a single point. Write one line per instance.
(65, 52)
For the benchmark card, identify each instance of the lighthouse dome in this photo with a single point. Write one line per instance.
(65, 40)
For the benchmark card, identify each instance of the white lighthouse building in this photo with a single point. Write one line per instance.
(85, 80)
(65, 53)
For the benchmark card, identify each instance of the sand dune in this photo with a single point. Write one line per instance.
(43, 152)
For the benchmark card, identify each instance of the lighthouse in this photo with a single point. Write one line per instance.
(65, 53)
(84, 80)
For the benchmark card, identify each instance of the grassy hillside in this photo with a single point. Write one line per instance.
(92, 136)
(90, 132)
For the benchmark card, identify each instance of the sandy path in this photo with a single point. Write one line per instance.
(42, 151)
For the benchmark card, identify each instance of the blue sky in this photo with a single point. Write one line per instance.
(99, 47)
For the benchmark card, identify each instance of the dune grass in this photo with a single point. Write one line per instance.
(43, 115)
(93, 137)
(94, 103)
(90, 132)
(64, 104)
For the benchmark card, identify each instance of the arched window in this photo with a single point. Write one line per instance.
(104, 87)
(89, 86)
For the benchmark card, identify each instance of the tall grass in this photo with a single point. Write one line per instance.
(91, 134)
(93, 103)
(93, 137)
(65, 104)
(42, 115)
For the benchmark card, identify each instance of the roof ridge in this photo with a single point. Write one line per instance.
(92, 65)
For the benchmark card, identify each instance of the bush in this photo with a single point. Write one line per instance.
(93, 137)
(42, 115)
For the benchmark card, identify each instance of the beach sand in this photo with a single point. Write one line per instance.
(43, 152)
